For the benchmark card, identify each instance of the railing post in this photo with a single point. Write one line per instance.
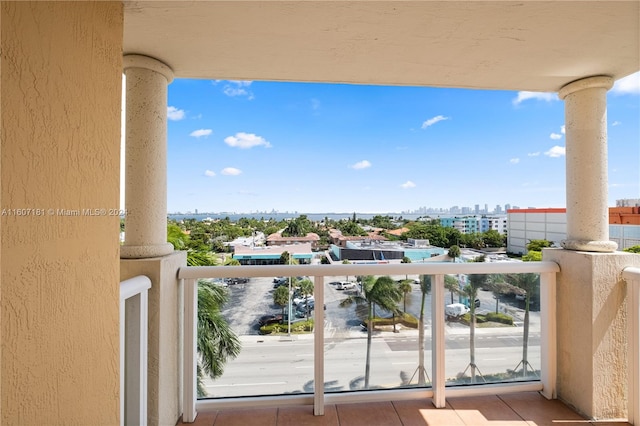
(134, 312)
(190, 360)
(548, 346)
(318, 347)
(632, 276)
(438, 343)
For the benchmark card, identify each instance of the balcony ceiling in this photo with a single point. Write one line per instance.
(511, 45)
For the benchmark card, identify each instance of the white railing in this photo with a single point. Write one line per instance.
(546, 384)
(133, 350)
(632, 276)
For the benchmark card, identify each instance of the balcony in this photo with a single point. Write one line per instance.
(506, 401)
(392, 371)
(519, 409)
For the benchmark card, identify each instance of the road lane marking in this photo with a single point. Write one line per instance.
(246, 384)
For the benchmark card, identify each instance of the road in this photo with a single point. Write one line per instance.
(270, 365)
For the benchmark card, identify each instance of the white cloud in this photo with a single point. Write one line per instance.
(236, 88)
(616, 123)
(364, 164)
(563, 129)
(556, 151)
(246, 140)
(540, 96)
(209, 173)
(201, 132)
(630, 85)
(514, 160)
(434, 120)
(231, 171)
(408, 184)
(555, 136)
(533, 154)
(174, 113)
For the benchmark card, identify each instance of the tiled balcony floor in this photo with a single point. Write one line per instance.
(518, 409)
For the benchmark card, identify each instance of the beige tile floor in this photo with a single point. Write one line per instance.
(519, 409)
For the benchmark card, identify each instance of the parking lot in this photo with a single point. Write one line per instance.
(251, 300)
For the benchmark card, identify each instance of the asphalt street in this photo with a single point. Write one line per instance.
(270, 365)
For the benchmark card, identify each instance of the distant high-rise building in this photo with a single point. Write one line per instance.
(477, 209)
(507, 207)
(628, 202)
(486, 208)
(498, 209)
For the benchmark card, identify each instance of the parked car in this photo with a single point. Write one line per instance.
(269, 319)
(300, 300)
(238, 280)
(301, 310)
(345, 285)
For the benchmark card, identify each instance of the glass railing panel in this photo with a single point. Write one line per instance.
(393, 349)
(503, 343)
(276, 355)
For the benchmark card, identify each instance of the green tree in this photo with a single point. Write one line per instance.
(493, 238)
(382, 292)
(538, 245)
(476, 282)
(281, 297)
(454, 252)
(633, 249)
(306, 289)
(405, 288)
(532, 256)
(451, 284)
(216, 341)
(425, 288)
(298, 227)
(232, 262)
(530, 283)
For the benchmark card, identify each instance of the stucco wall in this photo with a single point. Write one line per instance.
(591, 330)
(60, 109)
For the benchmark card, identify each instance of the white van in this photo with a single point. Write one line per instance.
(455, 310)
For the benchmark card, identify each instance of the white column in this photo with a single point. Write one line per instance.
(146, 157)
(586, 158)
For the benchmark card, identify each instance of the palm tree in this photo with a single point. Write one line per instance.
(346, 262)
(454, 252)
(306, 289)
(216, 342)
(451, 284)
(382, 292)
(425, 288)
(476, 281)
(281, 297)
(529, 283)
(405, 287)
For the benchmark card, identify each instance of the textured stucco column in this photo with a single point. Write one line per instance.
(146, 157)
(586, 157)
(592, 331)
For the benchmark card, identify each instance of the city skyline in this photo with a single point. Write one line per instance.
(308, 147)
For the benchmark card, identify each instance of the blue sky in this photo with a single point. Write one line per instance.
(241, 146)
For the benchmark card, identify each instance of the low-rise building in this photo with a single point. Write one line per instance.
(550, 224)
(272, 255)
